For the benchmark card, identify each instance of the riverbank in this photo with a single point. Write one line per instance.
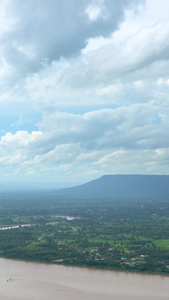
(111, 234)
(31, 280)
(61, 242)
(84, 266)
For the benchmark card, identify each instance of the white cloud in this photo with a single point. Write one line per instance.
(38, 30)
(70, 139)
(96, 72)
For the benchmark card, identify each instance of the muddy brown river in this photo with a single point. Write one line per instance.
(21, 280)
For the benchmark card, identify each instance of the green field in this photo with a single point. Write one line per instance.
(116, 234)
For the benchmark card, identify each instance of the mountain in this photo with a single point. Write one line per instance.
(121, 186)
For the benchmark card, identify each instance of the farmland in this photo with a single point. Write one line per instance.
(121, 234)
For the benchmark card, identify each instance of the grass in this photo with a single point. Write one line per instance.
(163, 244)
(104, 241)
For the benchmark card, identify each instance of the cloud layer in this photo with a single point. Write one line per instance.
(38, 30)
(83, 92)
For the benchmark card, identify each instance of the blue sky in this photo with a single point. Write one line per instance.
(84, 89)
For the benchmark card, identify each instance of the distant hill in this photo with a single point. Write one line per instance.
(121, 186)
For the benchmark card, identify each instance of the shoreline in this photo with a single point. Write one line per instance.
(86, 267)
(23, 280)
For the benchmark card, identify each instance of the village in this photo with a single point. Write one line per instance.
(111, 234)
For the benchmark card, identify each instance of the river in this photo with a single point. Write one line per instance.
(32, 224)
(20, 280)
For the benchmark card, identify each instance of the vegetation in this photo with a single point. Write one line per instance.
(122, 234)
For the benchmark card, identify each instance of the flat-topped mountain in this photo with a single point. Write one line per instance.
(122, 186)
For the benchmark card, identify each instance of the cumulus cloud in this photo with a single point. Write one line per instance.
(127, 127)
(99, 109)
(143, 55)
(67, 138)
(122, 72)
(40, 30)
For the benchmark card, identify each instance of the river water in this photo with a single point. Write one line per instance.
(20, 280)
(32, 224)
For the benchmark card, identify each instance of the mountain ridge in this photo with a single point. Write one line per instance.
(122, 186)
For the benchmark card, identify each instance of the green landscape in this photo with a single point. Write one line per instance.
(128, 234)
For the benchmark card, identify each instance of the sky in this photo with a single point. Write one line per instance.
(84, 89)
